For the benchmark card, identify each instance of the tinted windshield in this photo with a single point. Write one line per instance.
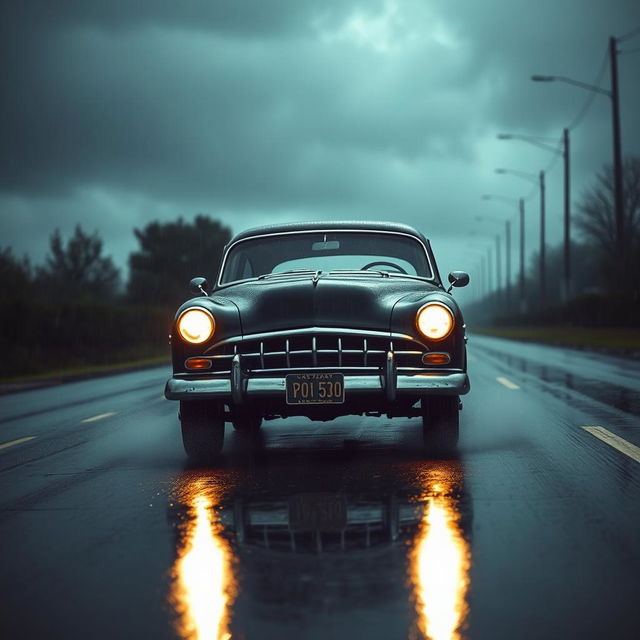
(330, 251)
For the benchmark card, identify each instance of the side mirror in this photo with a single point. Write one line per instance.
(458, 279)
(199, 286)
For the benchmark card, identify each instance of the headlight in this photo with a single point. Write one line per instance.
(435, 321)
(196, 325)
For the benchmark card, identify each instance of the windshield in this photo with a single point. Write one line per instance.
(326, 251)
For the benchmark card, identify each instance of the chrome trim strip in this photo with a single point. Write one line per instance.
(295, 233)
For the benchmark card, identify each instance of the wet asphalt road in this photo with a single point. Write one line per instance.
(531, 532)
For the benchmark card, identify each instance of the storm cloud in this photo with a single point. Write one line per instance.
(117, 113)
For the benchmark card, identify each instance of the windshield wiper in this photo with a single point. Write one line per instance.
(384, 274)
(285, 273)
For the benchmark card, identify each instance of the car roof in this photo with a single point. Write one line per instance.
(333, 225)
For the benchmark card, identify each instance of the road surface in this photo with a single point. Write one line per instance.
(329, 530)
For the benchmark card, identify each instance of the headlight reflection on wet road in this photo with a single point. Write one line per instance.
(203, 586)
(440, 564)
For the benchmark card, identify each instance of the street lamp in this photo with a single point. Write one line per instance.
(483, 289)
(489, 267)
(520, 202)
(507, 249)
(615, 121)
(543, 143)
(539, 179)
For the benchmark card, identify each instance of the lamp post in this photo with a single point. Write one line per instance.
(536, 179)
(483, 289)
(613, 94)
(543, 143)
(507, 250)
(489, 262)
(520, 202)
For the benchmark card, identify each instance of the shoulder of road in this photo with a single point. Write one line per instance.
(622, 342)
(51, 379)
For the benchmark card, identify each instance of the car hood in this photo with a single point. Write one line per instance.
(297, 301)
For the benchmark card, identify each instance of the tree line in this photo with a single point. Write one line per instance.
(76, 309)
(168, 256)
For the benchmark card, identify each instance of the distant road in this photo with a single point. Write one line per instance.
(532, 532)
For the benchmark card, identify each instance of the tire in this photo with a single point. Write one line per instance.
(202, 424)
(440, 425)
(244, 419)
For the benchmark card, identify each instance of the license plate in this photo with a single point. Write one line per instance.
(317, 512)
(315, 388)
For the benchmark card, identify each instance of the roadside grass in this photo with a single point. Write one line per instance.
(624, 340)
(79, 371)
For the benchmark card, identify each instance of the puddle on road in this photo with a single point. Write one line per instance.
(297, 548)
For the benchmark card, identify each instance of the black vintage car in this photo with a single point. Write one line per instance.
(320, 319)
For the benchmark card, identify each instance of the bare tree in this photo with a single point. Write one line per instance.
(596, 221)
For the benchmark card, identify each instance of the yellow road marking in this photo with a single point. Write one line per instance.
(615, 441)
(507, 383)
(13, 443)
(100, 416)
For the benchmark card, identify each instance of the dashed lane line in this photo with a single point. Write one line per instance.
(13, 443)
(507, 383)
(100, 416)
(615, 441)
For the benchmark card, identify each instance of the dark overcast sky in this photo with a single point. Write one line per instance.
(116, 113)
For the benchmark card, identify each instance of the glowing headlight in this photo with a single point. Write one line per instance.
(435, 321)
(196, 325)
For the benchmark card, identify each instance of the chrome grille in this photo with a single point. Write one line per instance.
(306, 351)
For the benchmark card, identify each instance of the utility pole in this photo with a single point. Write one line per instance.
(508, 259)
(617, 150)
(522, 274)
(498, 269)
(543, 290)
(567, 218)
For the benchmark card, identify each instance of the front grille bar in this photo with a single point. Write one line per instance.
(318, 350)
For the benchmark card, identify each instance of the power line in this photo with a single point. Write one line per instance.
(592, 94)
(628, 36)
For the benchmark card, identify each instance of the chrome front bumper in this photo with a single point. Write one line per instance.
(238, 389)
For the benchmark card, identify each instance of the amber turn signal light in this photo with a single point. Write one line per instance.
(198, 363)
(436, 358)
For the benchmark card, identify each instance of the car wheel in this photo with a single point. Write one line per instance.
(202, 424)
(440, 424)
(246, 420)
